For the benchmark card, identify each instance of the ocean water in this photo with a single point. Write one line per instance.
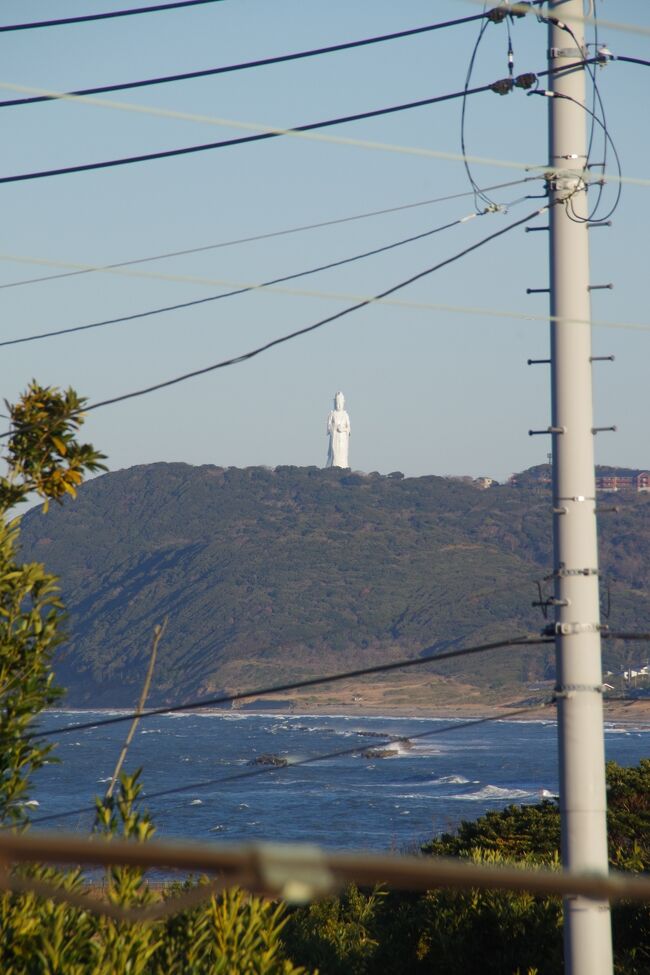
(439, 773)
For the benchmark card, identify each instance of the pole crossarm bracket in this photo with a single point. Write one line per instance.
(568, 690)
(537, 433)
(572, 629)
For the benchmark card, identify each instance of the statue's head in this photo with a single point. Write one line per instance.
(339, 401)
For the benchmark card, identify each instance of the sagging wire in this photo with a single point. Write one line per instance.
(297, 333)
(583, 182)
(495, 16)
(480, 197)
(591, 66)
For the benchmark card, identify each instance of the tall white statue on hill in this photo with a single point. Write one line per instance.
(338, 429)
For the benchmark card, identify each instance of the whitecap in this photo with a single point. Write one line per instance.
(494, 793)
(196, 802)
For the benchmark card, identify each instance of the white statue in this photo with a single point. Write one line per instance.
(338, 429)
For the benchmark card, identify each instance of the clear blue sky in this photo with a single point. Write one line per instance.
(427, 391)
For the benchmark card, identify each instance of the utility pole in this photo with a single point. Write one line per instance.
(587, 927)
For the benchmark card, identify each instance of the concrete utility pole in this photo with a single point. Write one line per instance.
(587, 938)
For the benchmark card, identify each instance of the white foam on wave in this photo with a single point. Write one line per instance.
(196, 802)
(450, 780)
(103, 712)
(494, 793)
(424, 751)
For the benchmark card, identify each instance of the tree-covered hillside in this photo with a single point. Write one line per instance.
(268, 574)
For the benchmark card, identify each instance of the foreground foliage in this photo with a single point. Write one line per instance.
(484, 932)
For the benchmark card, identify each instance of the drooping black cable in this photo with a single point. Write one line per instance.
(620, 57)
(221, 699)
(479, 195)
(240, 140)
(311, 328)
(85, 18)
(591, 66)
(241, 240)
(269, 769)
(252, 287)
(246, 356)
(608, 138)
(245, 65)
(597, 102)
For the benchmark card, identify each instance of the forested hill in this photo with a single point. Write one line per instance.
(270, 574)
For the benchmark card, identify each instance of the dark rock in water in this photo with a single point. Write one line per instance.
(275, 760)
(405, 743)
(379, 753)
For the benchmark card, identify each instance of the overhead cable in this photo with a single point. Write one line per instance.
(608, 139)
(526, 10)
(245, 65)
(267, 133)
(237, 291)
(620, 57)
(221, 699)
(299, 132)
(91, 269)
(423, 306)
(266, 770)
(478, 193)
(290, 336)
(217, 282)
(85, 18)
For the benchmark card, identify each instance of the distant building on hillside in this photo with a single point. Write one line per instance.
(637, 483)
(607, 479)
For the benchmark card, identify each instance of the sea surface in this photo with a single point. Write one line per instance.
(439, 772)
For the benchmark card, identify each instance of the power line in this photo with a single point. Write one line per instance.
(524, 9)
(503, 313)
(296, 685)
(620, 57)
(300, 132)
(245, 65)
(235, 360)
(90, 269)
(608, 139)
(242, 290)
(478, 194)
(269, 769)
(225, 143)
(193, 279)
(85, 18)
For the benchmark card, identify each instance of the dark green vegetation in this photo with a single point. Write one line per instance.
(44, 935)
(268, 575)
(483, 932)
